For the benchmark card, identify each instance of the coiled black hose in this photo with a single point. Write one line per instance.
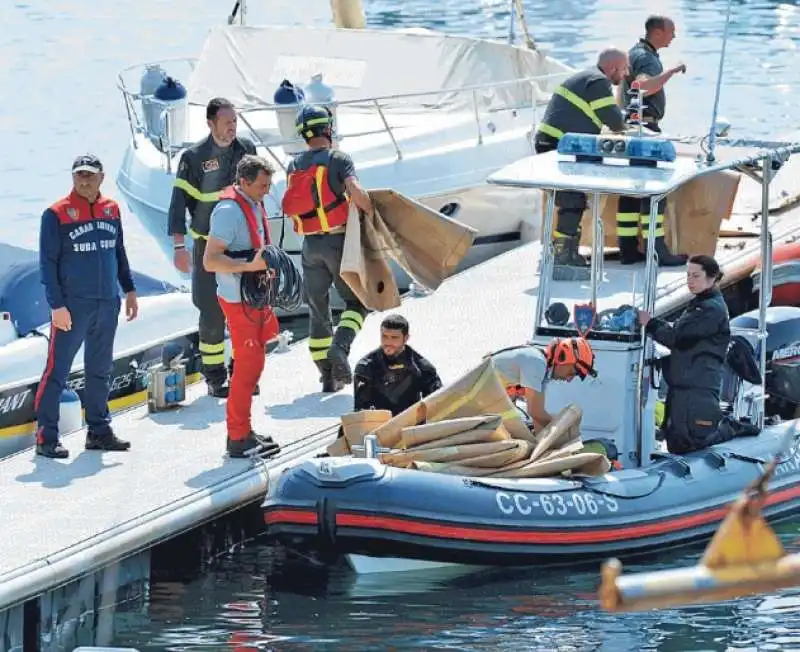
(281, 286)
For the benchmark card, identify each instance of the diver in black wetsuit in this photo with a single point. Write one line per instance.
(394, 376)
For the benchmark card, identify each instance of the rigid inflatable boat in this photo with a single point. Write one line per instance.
(166, 316)
(596, 482)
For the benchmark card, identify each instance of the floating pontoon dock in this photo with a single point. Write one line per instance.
(66, 519)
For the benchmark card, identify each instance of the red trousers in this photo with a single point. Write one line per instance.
(250, 330)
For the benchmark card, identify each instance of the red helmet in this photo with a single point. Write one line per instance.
(572, 350)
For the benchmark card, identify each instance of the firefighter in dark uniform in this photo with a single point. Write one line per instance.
(393, 377)
(582, 104)
(321, 183)
(205, 169)
(698, 343)
(83, 265)
(647, 73)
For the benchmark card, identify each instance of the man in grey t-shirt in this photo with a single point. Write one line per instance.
(647, 70)
(236, 241)
(525, 370)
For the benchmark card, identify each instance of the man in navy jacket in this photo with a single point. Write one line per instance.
(82, 262)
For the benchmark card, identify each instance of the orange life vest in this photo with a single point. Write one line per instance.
(250, 216)
(310, 201)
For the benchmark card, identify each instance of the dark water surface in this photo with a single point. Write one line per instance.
(257, 599)
(60, 59)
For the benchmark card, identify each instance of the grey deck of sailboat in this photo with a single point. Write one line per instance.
(49, 507)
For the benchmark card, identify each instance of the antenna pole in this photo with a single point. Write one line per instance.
(712, 134)
(512, 13)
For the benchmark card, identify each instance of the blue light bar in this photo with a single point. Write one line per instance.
(624, 147)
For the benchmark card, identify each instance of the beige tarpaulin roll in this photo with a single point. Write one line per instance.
(477, 393)
(435, 434)
(428, 245)
(424, 243)
(366, 265)
(492, 454)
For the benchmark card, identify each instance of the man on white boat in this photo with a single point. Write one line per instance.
(525, 371)
(204, 170)
(234, 250)
(83, 264)
(394, 376)
(647, 73)
(583, 104)
(320, 185)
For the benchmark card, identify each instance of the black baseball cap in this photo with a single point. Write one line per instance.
(87, 163)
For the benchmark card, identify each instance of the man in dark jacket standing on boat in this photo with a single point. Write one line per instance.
(394, 376)
(583, 104)
(647, 73)
(83, 264)
(204, 170)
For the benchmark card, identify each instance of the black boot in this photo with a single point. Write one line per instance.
(338, 354)
(106, 441)
(629, 253)
(256, 391)
(667, 259)
(53, 450)
(253, 444)
(329, 385)
(217, 380)
(568, 264)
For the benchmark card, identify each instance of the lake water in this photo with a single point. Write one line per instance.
(60, 60)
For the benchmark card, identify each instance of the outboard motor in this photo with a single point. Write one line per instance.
(783, 357)
(293, 98)
(165, 116)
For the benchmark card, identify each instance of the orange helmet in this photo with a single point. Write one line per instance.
(572, 350)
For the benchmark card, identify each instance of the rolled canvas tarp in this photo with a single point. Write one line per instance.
(424, 243)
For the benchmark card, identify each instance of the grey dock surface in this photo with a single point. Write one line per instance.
(64, 518)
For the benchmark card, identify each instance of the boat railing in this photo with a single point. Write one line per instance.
(380, 105)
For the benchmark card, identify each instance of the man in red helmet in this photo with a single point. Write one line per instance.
(525, 371)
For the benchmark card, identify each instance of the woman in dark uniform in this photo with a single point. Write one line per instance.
(698, 342)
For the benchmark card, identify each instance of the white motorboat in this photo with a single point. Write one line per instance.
(166, 316)
(426, 114)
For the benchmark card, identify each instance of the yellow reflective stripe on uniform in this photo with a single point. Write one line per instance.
(195, 235)
(603, 102)
(579, 103)
(194, 193)
(212, 353)
(321, 214)
(627, 224)
(351, 319)
(312, 123)
(318, 347)
(550, 131)
(646, 225)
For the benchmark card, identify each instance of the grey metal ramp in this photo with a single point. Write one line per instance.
(176, 470)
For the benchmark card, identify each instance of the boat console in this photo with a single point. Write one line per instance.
(620, 403)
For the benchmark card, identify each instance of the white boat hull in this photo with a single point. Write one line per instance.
(164, 318)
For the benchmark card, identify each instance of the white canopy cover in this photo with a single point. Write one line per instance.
(247, 64)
